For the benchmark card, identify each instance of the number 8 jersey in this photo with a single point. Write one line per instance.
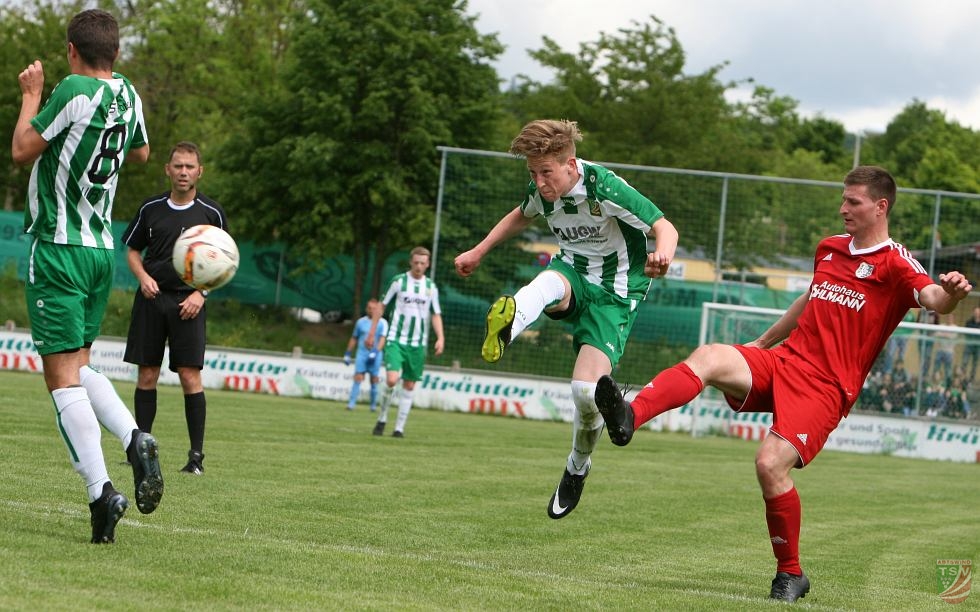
(92, 123)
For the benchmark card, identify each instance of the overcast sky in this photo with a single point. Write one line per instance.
(856, 61)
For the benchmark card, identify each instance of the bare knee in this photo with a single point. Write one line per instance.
(721, 366)
(190, 380)
(147, 377)
(773, 463)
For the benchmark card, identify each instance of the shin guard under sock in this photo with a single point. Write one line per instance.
(672, 388)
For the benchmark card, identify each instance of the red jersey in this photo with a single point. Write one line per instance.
(857, 299)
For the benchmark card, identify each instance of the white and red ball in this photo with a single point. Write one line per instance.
(205, 257)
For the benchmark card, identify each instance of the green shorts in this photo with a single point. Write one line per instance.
(410, 360)
(600, 319)
(67, 290)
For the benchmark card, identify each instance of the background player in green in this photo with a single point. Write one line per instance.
(413, 294)
(595, 282)
(166, 311)
(91, 123)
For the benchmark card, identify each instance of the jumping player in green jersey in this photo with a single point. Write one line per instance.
(414, 295)
(595, 282)
(90, 125)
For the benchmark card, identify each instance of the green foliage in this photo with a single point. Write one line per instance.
(319, 122)
(12, 304)
(630, 96)
(301, 508)
(368, 91)
(35, 32)
(923, 149)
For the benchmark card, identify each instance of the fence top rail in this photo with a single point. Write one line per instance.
(721, 175)
(931, 328)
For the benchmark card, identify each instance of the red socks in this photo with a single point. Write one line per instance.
(670, 389)
(783, 515)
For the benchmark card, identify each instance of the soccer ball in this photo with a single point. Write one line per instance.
(205, 257)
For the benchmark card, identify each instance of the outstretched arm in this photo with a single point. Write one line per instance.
(944, 297)
(511, 224)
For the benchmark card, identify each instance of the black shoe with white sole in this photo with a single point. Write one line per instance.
(567, 494)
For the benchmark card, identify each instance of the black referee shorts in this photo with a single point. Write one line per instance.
(156, 323)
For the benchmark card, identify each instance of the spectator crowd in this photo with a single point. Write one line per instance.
(937, 380)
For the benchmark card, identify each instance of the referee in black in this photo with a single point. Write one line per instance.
(165, 310)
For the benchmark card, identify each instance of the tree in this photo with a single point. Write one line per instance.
(341, 156)
(28, 33)
(195, 63)
(629, 93)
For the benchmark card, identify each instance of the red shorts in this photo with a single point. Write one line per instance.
(806, 406)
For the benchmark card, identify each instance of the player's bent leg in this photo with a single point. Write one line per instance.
(721, 366)
(547, 290)
(109, 408)
(500, 319)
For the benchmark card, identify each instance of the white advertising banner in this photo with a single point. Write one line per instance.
(507, 395)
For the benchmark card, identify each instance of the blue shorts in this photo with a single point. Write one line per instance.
(363, 365)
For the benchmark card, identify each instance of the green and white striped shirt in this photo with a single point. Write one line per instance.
(90, 125)
(413, 299)
(601, 226)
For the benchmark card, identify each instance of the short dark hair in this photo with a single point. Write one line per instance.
(185, 146)
(879, 182)
(95, 35)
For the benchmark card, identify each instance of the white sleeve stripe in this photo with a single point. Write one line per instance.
(912, 261)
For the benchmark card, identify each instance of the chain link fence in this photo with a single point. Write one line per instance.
(744, 240)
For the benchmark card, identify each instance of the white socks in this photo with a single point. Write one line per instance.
(586, 426)
(389, 393)
(107, 406)
(82, 435)
(404, 407)
(546, 289)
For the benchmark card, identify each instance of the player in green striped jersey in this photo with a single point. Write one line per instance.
(595, 282)
(91, 123)
(414, 295)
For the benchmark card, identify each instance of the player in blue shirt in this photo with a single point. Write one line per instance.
(368, 358)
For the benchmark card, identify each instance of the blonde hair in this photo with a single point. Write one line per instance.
(547, 137)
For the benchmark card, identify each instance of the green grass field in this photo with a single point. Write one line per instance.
(302, 508)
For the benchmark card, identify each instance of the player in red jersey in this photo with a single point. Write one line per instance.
(863, 284)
